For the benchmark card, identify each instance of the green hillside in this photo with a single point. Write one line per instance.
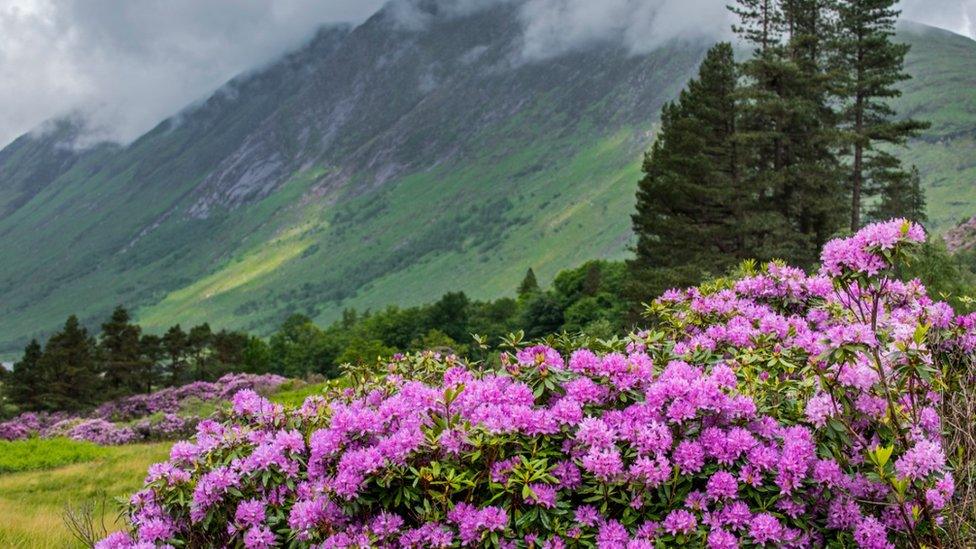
(379, 165)
(943, 92)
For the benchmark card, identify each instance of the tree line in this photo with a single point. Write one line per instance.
(589, 298)
(772, 155)
(75, 369)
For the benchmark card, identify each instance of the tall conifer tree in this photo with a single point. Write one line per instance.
(786, 123)
(121, 354)
(693, 215)
(901, 196)
(872, 66)
(176, 346)
(529, 284)
(24, 383)
(69, 370)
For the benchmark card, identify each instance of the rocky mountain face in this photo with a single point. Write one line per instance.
(378, 164)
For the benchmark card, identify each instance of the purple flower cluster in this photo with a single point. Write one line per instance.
(865, 251)
(169, 400)
(103, 432)
(769, 412)
(115, 421)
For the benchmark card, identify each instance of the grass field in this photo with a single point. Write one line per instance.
(36, 453)
(32, 502)
(297, 395)
(39, 477)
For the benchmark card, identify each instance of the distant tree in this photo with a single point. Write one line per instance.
(436, 340)
(394, 326)
(349, 318)
(228, 349)
(947, 276)
(176, 347)
(257, 356)
(871, 66)
(360, 350)
(152, 355)
(450, 315)
(120, 355)
(198, 343)
(69, 370)
(300, 348)
(542, 314)
(494, 319)
(23, 385)
(901, 196)
(593, 279)
(529, 284)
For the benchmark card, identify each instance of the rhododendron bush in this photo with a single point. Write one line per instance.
(779, 409)
(159, 415)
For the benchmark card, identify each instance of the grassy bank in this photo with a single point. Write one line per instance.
(32, 502)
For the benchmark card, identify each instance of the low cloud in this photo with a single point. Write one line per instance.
(124, 66)
(956, 15)
(553, 27)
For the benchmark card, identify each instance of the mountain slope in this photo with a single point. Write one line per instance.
(943, 92)
(375, 165)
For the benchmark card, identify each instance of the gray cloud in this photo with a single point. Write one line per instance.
(955, 15)
(555, 26)
(127, 64)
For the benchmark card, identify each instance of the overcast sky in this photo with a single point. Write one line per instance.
(127, 64)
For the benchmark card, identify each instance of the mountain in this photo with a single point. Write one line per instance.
(378, 164)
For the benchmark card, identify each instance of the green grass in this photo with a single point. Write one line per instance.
(292, 395)
(37, 453)
(32, 502)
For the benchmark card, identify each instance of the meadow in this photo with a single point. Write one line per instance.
(41, 478)
(32, 502)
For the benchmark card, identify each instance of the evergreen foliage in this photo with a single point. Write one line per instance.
(69, 370)
(695, 214)
(765, 158)
(75, 371)
(902, 196)
(23, 385)
(871, 65)
(529, 284)
(120, 351)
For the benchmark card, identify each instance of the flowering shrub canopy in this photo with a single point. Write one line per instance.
(778, 410)
(115, 421)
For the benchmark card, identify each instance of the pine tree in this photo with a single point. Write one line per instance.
(121, 354)
(24, 383)
(760, 22)
(871, 66)
(694, 215)
(69, 371)
(529, 284)
(176, 347)
(786, 126)
(817, 204)
(901, 196)
(198, 342)
(152, 353)
(917, 205)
